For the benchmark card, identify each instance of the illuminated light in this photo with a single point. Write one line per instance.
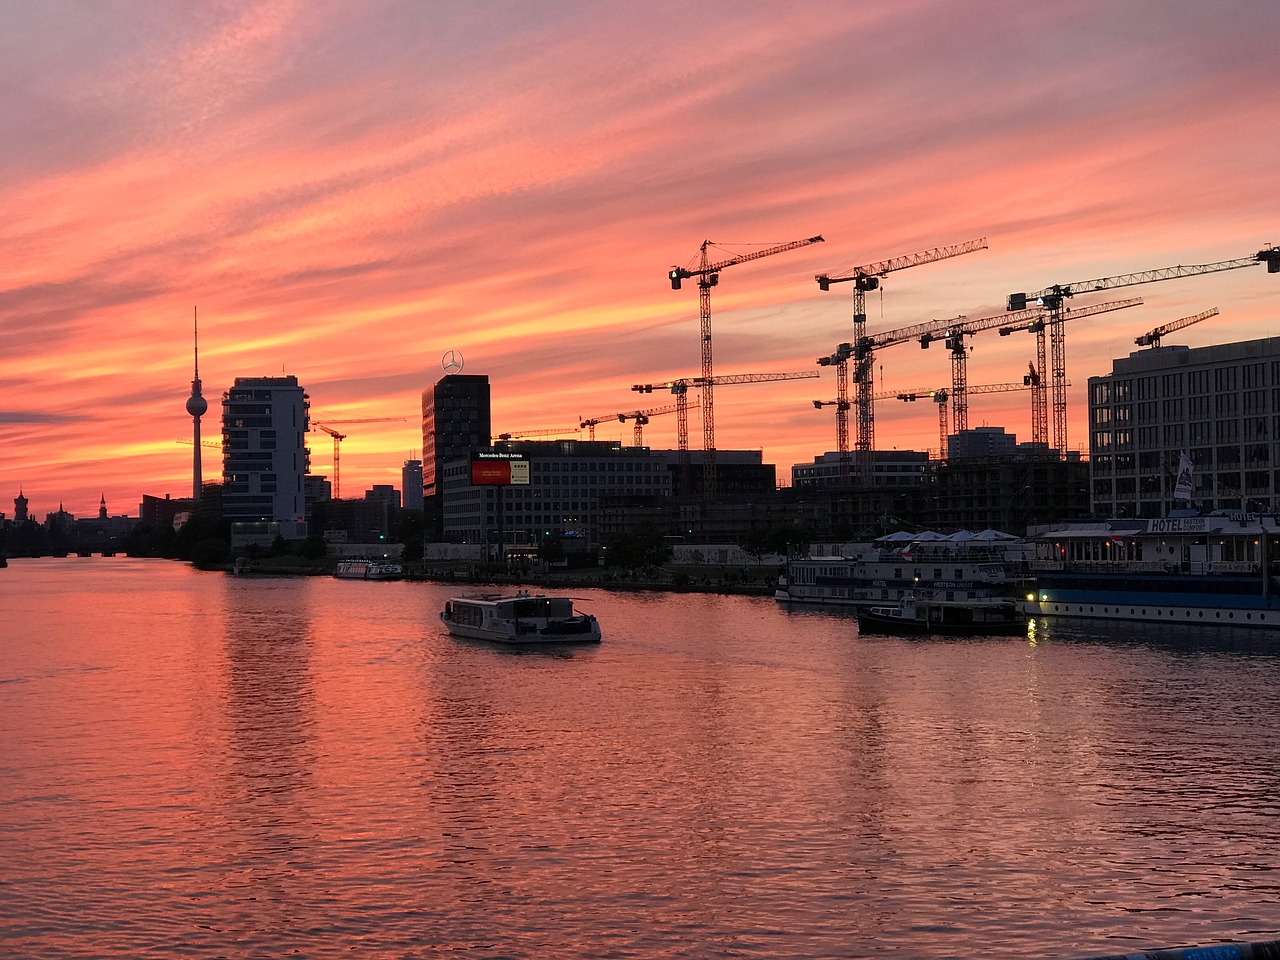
(1031, 598)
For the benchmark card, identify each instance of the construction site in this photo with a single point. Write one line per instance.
(975, 477)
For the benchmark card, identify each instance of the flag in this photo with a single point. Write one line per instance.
(1185, 483)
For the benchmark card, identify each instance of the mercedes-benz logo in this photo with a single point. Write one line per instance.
(451, 362)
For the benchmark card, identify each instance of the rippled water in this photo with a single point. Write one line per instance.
(198, 765)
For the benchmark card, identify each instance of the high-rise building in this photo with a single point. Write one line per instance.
(1220, 405)
(411, 484)
(264, 427)
(455, 421)
(385, 493)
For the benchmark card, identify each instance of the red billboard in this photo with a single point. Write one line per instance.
(499, 469)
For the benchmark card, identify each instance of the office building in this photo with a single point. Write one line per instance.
(384, 493)
(455, 421)
(981, 442)
(570, 485)
(411, 484)
(1220, 405)
(265, 457)
(890, 468)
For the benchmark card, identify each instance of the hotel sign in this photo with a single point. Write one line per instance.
(1178, 525)
(499, 468)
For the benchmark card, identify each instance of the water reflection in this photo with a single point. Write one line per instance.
(253, 768)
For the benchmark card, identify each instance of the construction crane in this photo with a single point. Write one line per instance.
(590, 423)
(954, 331)
(866, 278)
(942, 395)
(530, 434)
(680, 388)
(939, 397)
(708, 275)
(339, 437)
(957, 331)
(641, 417)
(1152, 339)
(840, 360)
(1052, 298)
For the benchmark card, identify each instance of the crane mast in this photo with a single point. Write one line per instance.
(708, 275)
(1053, 297)
(939, 397)
(866, 278)
(840, 360)
(339, 437)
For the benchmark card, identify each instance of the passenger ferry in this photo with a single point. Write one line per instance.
(519, 619)
(962, 567)
(1223, 568)
(368, 570)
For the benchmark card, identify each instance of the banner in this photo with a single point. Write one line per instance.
(1185, 483)
(499, 469)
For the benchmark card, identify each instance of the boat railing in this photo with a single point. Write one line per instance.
(1103, 566)
(1147, 566)
(1229, 566)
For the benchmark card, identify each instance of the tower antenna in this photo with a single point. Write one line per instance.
(197, 405)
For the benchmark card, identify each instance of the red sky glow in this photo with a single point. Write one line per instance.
(347, 191)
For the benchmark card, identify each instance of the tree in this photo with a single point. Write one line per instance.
(210, 553)
(150, 540)
(551, 549)
(639, 547)
(409, 530)
(314, 547)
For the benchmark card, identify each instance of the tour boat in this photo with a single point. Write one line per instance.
(368, 570)
(521, 619)
(962, 567)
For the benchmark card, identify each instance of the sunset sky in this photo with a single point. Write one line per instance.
(348, 190)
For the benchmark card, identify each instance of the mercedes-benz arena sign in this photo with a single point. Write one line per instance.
(499, 468)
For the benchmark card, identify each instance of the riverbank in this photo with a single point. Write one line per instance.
(704, 578)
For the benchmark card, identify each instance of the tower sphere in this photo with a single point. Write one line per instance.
(197, 405)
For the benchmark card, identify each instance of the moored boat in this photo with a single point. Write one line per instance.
(1218, 569)
(913, 616)
(962, 567)
(520, 619)
(368, 570)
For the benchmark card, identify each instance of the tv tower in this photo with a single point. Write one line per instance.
(196, 406)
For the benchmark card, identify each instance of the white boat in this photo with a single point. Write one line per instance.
(368, 570)
(522, 618)
(963, 567)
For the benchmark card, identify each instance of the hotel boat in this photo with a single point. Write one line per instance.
(368, 570)
(519, 619)
(1218, 569)
(964, 567)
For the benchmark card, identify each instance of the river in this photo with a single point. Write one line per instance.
(198, 765)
